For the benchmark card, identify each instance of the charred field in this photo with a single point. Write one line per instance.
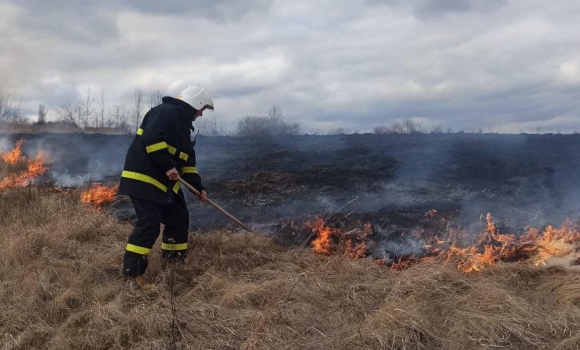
(408, 256)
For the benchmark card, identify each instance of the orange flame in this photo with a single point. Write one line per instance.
(322, 244)
(491, 247)
(99, 195)
(355, 245)
(534, 247)
(35, 168)
(354, 241)
(15, 155)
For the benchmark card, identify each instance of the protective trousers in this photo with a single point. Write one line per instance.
(174, 217)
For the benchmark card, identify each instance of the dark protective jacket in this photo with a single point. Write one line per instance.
(162, 142)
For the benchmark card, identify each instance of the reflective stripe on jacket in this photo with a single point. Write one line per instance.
(162, 143)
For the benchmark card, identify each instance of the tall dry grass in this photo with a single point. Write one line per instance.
(6, 169)
(61, 288)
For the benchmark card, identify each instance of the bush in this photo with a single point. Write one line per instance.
(272, 125)
(408, 126)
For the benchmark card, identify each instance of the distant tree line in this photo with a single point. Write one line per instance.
(408, 126)
(87, 111)
(271, 125)
(90, 112)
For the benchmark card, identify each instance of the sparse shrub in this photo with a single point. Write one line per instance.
(382, 129)
(412, 127)
(272, 125)
(209, 126)
(408, 126)
(438, 129)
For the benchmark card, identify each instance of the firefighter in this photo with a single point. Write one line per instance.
(162, 151)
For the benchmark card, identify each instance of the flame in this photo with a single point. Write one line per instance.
(535, 246)
(99, 195)
(355, 245)
(554, 242)
(35, 168)
(15, 155)
(322, 244)
(327, 237)
(491, 247)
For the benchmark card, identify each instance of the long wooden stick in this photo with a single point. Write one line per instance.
(210, 202)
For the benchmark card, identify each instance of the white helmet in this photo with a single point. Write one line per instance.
(197, 97)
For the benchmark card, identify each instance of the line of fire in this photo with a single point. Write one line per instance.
(435, 238)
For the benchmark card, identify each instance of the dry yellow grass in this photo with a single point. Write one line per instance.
(61, 288)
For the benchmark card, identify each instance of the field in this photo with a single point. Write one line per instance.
(61, 286)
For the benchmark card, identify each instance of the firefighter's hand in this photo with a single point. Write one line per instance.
(203, 196)
(172, 174)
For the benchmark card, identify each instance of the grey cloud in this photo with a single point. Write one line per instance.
(94, 22)
(435, 7)
(194, 9)
(217, 9)
(353, 63)
(85, 23)
(427, 9)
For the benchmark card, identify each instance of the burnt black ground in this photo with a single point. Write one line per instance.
(389, 180)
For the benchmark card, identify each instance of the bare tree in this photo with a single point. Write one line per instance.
(120, 119)
(397, 127)
(102, 109)
(116, 115)
(275, 113)
(253, 126)
(41, 115)
(408, 126)
(155, 98)
(86, 104)
(10, 110)
(438, 129)
(279, 125)
(110, 123)
(138, 100)
(381, 129)
(209, 126)
(412, 127)
(67, 112)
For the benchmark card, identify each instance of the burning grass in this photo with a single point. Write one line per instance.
(98, 195)
(12, 161)
(470, 253)
(17, 170)
(61, 289)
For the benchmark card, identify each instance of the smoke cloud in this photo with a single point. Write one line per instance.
(390, 181)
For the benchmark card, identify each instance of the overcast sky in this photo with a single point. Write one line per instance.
(511, 65)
